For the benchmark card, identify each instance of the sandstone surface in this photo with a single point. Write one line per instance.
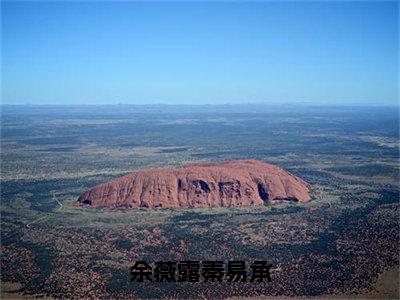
(223, 184)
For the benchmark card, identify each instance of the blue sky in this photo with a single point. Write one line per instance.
(199, 52)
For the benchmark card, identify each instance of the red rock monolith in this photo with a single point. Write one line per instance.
(223, 184)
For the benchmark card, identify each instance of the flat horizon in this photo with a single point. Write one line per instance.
(306, 104)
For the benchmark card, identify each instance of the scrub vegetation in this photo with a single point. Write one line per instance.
(343, 242)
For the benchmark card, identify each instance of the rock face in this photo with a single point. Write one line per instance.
(230, 183)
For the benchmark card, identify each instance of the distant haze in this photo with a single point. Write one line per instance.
(200, 52)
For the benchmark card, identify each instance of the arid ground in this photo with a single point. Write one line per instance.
(343, 243)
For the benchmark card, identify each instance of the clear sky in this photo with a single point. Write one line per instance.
(199, 52)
